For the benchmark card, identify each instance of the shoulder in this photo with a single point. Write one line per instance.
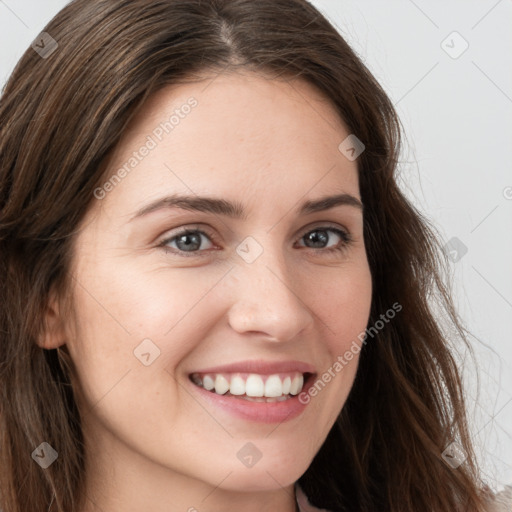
(501, 501)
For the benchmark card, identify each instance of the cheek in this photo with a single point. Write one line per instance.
(130, 318)
(343, 309)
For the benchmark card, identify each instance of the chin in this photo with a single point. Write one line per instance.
(273, 470)
(264, 479)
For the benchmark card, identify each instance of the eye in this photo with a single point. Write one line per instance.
(190, 241)
(319, 237)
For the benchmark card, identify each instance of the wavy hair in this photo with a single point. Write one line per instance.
(61, 117)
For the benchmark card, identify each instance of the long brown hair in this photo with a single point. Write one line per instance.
(61, 115)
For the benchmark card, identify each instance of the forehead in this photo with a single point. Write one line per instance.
(230, 135)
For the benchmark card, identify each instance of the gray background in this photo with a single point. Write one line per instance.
(456, 107)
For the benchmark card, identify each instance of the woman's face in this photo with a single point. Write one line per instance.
(263, 292)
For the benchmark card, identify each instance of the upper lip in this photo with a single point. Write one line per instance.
(261, 367)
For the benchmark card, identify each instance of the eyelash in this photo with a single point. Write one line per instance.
(346, 240)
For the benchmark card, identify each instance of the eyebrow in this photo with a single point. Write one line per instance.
(236, 209)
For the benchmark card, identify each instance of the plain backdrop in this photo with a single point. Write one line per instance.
(448, 70)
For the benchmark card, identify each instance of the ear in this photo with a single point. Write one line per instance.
(53, 334)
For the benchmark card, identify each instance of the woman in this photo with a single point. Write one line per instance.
(215, 295)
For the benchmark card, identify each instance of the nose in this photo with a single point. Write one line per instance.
(267, 300)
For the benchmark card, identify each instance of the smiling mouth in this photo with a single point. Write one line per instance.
(253, 387)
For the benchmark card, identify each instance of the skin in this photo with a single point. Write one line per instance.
(150, 445)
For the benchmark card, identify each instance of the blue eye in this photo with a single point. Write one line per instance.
(314, 237)
(189, 241)
(186, 241)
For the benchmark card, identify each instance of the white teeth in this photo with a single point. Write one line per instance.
(273, 386)
(296, 386)
(208, 383)
(221, 385)
(237, 386)
(254, 385)
(287, 382)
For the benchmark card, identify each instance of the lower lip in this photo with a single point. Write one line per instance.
(262, 412)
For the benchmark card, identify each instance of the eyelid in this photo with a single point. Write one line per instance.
(194, 228)
(324, 224)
